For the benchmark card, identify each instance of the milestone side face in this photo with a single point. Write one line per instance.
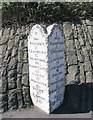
(56, 66)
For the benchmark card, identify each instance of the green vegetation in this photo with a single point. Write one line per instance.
(47, 12)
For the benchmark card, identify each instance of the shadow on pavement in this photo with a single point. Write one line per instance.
(78, 99)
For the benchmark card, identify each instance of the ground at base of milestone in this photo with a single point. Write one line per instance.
(35, 112)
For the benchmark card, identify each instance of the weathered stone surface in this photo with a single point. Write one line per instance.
(12, 64)
(4, 102)
(11, 83)
(25, 80)
(89, 22)
(19, 81)
(80, 56)
(4, 49)
(88, 46)
(23, 29)
(68, 30)
(91, 56)
(0, 86)
(1, 109)
(89, 36)
(85, 36)
(12, 100)
(82, 73)
(6, 31)
(77, 44)
(71, 58)
(84, 51)
(12, 32)
(4, 39)
(18, 31)
(70, 45)
(19, 68)
(20, 55)
(25, 69)
(72, 72)
(75, 32)
(14, 51)
(87, 64)
(92, 33)
(25, 44)
(27, 30)
(26, 96)
(10, 44)
(89, 77)
(16, 41)
(12, 78)
(7, 56)
(21, 44)
(4, 71)
(19, 98)
(1, 32)
(25, 57)
(1, 47)
(4, 85)
(1, 63)
(81, 40)
(12, 73)
(79, 29)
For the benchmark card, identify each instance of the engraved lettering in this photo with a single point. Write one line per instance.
(46, 66)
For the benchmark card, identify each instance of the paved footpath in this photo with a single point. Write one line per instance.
(37, 113)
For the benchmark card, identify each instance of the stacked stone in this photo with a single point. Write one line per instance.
(15, 86)
(79, 61)
(71, 55)
(0, 71)
(79, 48)
(14, 80)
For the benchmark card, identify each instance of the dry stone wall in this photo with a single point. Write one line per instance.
(14, 79)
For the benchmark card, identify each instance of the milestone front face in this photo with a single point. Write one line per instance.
(46, 67)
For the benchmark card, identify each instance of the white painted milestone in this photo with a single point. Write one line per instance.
(46, 66)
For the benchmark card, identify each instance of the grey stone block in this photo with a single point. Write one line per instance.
(4, 84)
(25, 80)
(12, 78)
(26, 95)
(67, 27)
(12, 64)
(12, 100)
(16, 41)
(4, 102)
(10, 44)
(89, 77)
(19, 98)
(87, 63)
(14, 51)
(72, 72)
(71, 58)
(19, 67)
(19, 81)
(4, 39)
(25, 57)
(25, 69)
(20, 55)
